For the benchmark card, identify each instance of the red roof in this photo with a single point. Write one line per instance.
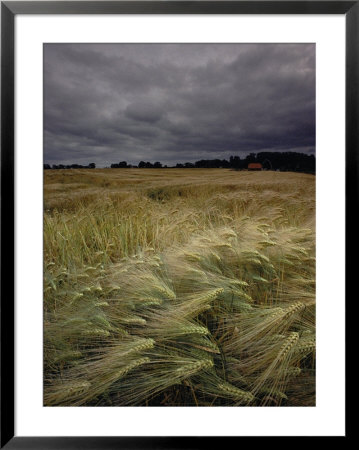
(254, 166)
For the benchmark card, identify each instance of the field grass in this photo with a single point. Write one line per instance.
(179, 287)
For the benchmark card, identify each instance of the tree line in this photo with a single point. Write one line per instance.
(69, 166)
(283, 161)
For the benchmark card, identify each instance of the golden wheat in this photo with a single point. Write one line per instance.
(179, 287)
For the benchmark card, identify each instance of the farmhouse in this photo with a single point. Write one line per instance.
(255, 166)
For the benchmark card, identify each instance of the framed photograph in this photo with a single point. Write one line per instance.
(173, 243)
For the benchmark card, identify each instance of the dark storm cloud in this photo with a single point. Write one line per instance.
(107, 103)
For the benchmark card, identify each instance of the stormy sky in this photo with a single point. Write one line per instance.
(106, 103)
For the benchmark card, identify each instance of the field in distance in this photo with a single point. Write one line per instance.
(179, 287)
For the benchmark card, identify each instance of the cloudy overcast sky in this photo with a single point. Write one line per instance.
(106, 103)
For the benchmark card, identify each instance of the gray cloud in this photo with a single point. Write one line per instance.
(173, 103)
(143, 112)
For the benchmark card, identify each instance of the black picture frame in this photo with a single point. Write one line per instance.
(9, 9)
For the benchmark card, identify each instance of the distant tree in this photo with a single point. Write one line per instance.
(92, 166)
(47, 166)
(122, 164)
(75, 166)
(267, 164)
(141, 164)
(251, 158)
(157, 165)
(235, 162)
(211, 163)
